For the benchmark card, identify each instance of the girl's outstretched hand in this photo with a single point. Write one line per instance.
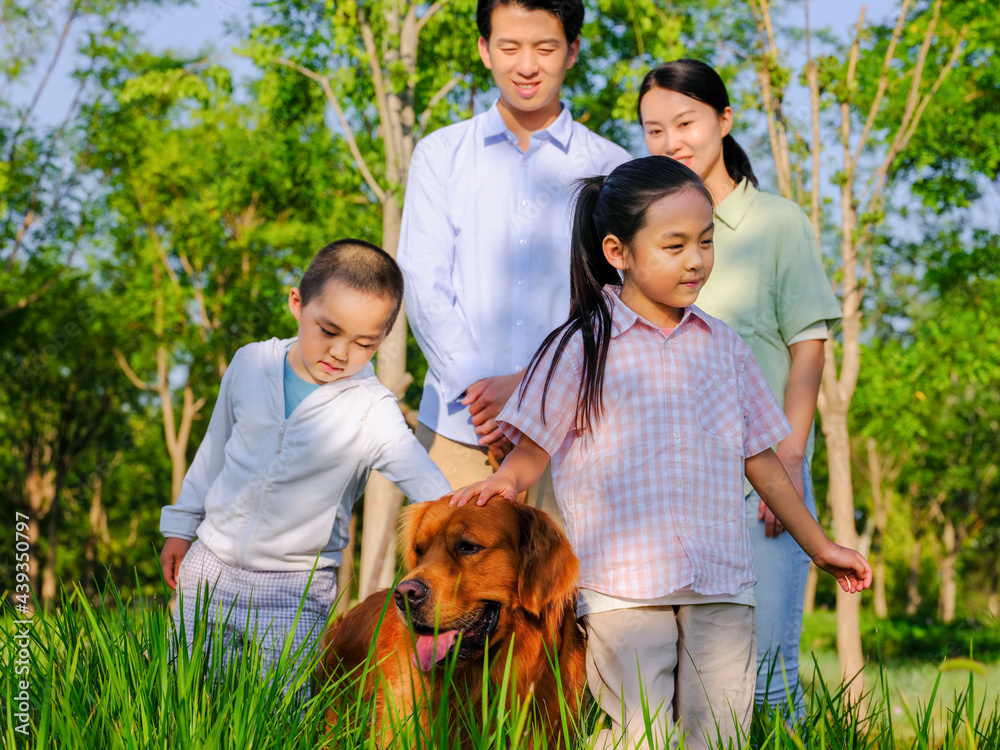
(849, 567)
(481, 492)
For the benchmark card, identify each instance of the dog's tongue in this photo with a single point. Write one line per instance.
(431, 650)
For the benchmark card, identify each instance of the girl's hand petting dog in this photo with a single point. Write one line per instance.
(173, 552)
(495, 486)
(522, 467)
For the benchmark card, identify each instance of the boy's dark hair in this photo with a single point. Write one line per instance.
(616, 204)
(699, 81)
(359, 265)
(568, 12)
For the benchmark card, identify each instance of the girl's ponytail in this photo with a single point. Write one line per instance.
(613, 205)
(589, 310)
(737, 162)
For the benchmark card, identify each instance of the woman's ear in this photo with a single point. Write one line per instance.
(726, 121)
(614, 251)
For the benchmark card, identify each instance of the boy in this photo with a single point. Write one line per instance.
(485, 237)
(298, 425)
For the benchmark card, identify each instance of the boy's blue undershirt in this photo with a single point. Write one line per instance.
(296, 389)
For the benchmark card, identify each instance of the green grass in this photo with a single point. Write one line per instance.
(104, 677)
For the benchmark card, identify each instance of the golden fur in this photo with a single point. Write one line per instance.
(495, 573)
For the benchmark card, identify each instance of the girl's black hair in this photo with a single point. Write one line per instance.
(616, 204)
(700, 81)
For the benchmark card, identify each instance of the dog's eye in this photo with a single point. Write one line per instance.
(418, 551)
(466, 547)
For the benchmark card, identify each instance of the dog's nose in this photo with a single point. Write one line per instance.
(410, 594)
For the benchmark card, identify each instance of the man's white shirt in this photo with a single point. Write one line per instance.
(485, 247)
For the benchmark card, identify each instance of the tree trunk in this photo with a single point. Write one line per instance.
(841, 503)
(345, 575)
(881, 501)
(49, 576)
(913, 580)
(98, 517)
(880, 600)
(809, 605)
(382, 498)
(34, 576)
(39, 486)
(949, 587)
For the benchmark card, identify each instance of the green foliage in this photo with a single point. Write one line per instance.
(929, 396)
(67, 421)
(46, 209)
(955, 142)
(110, 675)
(909, 639)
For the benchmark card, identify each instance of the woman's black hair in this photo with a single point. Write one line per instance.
(613, 205)
(700, 81)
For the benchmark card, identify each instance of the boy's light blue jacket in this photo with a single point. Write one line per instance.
(269, 493)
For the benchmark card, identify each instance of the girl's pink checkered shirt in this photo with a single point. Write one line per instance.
(653, 497)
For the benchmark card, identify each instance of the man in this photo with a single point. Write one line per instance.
(486, 234)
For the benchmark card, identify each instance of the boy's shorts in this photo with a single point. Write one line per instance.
(253, 605)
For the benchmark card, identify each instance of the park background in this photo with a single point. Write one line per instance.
(168, 169)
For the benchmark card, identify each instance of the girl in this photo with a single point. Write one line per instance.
(770, 286)
(648, 408)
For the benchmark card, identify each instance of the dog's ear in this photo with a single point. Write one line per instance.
(549, 568)
(409, 522)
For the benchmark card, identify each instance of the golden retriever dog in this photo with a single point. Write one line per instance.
(478, 579)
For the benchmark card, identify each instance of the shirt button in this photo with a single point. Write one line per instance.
(520, 282)
(673, 389)
(684, 530)
(666, 345)
(519, 322)
(524, 242)
(680, 484)
(518, 368)
(677, 433)
(524, 203)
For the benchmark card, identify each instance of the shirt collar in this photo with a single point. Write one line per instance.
(735, 205)
(623, 317)
(560, 132)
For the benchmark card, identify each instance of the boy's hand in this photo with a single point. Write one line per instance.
(173, 552)
(483, 491)
(850, 568)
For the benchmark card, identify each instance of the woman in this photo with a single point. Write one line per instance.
(768, 284)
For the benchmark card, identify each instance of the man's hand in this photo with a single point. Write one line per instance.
(174, 550)
(498, 451)
(485, 399)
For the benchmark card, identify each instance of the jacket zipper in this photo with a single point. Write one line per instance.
(244, 543)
